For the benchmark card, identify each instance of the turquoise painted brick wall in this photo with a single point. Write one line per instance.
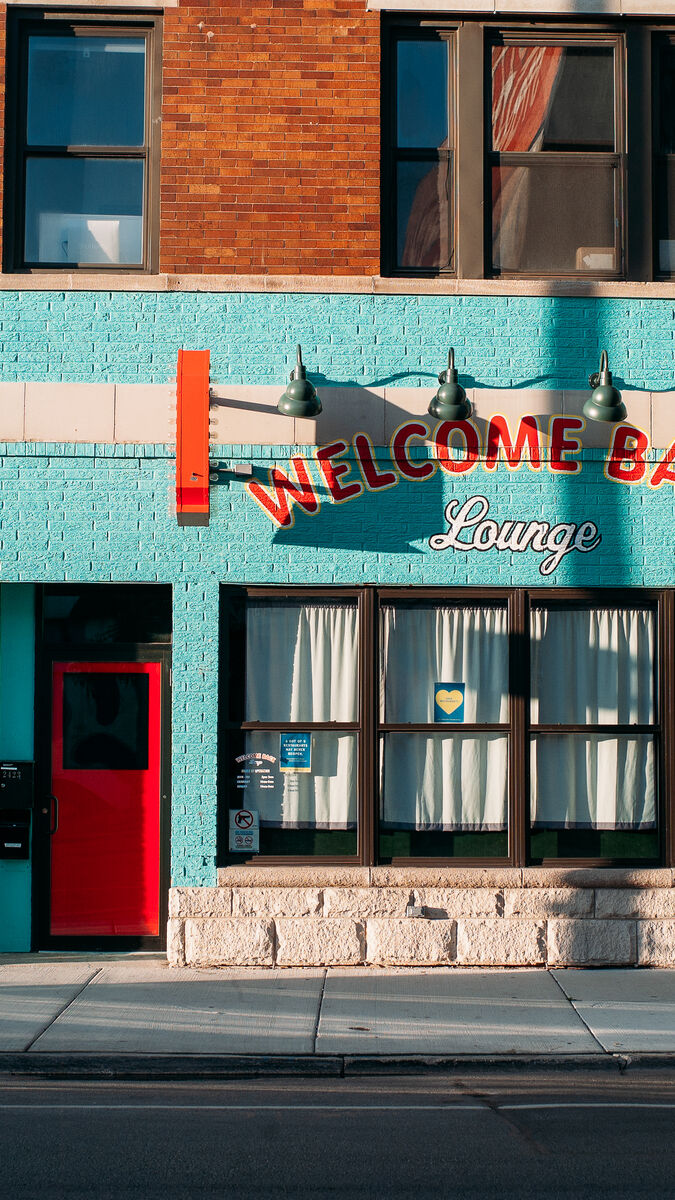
(97, 513)
(500, 341)
(17, 698)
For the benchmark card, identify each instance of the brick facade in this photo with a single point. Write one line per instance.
(271, 139)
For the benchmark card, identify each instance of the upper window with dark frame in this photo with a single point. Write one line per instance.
(538, 150)
(424, 134)
(81, 120)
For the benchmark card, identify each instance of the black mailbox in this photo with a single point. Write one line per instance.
(16, 802)
(16, 785)
(15, 833)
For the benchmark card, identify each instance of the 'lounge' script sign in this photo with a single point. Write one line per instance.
(469, 528)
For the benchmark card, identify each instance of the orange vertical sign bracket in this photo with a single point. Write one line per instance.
(192, 437)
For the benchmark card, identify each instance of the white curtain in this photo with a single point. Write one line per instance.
(302, 665)
(301, 662)
(445, 780)
(590, 667)
(596, 782)
(423, 646)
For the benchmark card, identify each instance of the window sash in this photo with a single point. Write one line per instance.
(20, 152)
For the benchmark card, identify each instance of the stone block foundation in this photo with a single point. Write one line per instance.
(323, 916)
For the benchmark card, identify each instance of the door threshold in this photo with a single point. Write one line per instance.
(36, 956)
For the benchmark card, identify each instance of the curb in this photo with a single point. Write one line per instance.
(249, 1066)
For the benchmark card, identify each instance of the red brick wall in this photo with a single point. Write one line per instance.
(270, 138)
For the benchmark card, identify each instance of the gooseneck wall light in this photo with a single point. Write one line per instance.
(300, 398)
(604, 403)
(450, 402)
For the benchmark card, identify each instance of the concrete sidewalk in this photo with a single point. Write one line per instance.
(133, 1014)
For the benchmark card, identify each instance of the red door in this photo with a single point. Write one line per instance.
(105, 799)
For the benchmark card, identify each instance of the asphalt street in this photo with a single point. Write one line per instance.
(511, 1134)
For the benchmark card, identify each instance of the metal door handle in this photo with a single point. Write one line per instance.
(54, 820)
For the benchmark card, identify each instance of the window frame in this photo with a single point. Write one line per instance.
(22, 24)
(655, 729)
(493, 158)
(518, 602)
(661, 159)
(636, 147)
(393, 154)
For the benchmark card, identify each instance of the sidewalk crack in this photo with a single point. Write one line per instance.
(578, 1014)
(61, 1011)
(318, 1010)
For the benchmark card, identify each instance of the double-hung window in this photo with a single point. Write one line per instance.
(383, 725)
(531, 149)
(81, 188)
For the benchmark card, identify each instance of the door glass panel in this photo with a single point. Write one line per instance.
(553, 98)
(86, 91)
(542, 220)
(105, 722)
(84, 210)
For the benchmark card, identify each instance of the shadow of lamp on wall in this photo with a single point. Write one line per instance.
(299, 400)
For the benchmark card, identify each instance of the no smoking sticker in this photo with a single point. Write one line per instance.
(244, 831)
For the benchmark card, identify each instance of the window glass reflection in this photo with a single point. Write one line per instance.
(86, 91)
(553, 98)
(84, 210)
(422, 94)
(424, 233)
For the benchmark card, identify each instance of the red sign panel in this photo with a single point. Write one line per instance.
(192, 435)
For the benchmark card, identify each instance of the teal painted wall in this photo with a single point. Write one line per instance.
(99, 513)
(500, 341)
(17, 701)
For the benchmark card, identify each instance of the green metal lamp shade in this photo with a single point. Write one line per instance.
(604, 403)
(300, 398)
(450, 402)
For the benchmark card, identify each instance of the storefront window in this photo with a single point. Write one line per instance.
(383, 725)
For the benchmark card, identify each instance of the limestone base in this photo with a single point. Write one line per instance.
(294, 916)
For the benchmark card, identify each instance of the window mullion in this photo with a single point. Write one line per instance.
(369, 740)
(470, 229)
(639, 236)
(519, 756)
